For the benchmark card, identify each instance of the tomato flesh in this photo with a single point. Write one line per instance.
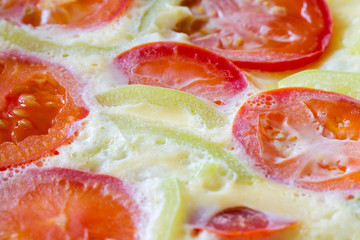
(269, 35)
(183, 67)
(66, 204)
(340, 119)
(31, 108)
(303, 137)
(73, 13)
(247, 223)
(39, 108)
(239, 219)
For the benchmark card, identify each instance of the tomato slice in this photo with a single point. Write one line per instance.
(71, 13)
(303, 137)
(270, 35)
(183, 67)
(66, 204)
(246, 223)
(40, 106)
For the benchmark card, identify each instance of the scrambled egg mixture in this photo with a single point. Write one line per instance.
(184, 166)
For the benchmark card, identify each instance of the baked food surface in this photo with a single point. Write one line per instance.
(169, 119)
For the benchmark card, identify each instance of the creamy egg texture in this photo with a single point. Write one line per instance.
(177, 149)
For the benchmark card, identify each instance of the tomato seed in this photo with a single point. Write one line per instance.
(51, 104)
(25, 123)
(239, 42)
(3, 124)
(213, 14)
(292, 138)
(201, 9)
(28, 100)
(204, 32)
(278, 11)
(19, 112)
(267, 3)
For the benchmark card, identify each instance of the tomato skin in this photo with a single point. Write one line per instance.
(253, 51)
(303, 137)
(183, 67)
(69, 14)
(242, 222)
(56, 203)
(49, 127)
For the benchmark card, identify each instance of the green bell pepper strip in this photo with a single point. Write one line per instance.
(164, 13)
(341, 82)
(26, 41)
(163, 97)
(131, 126)
(172, 216)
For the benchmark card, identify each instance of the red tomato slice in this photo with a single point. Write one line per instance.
(303, 137)
(40, 105)
(183, 67)
(66, 204)
(269, 35)
(71, 13)
(246, 223)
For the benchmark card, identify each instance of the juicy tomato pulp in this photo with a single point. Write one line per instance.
(306, 137)
(246, 223)
(183, 67)
(72, 13)
(66, 204)
(269, 35)
(39, 106)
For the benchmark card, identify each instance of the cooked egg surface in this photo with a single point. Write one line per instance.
(182, 167)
